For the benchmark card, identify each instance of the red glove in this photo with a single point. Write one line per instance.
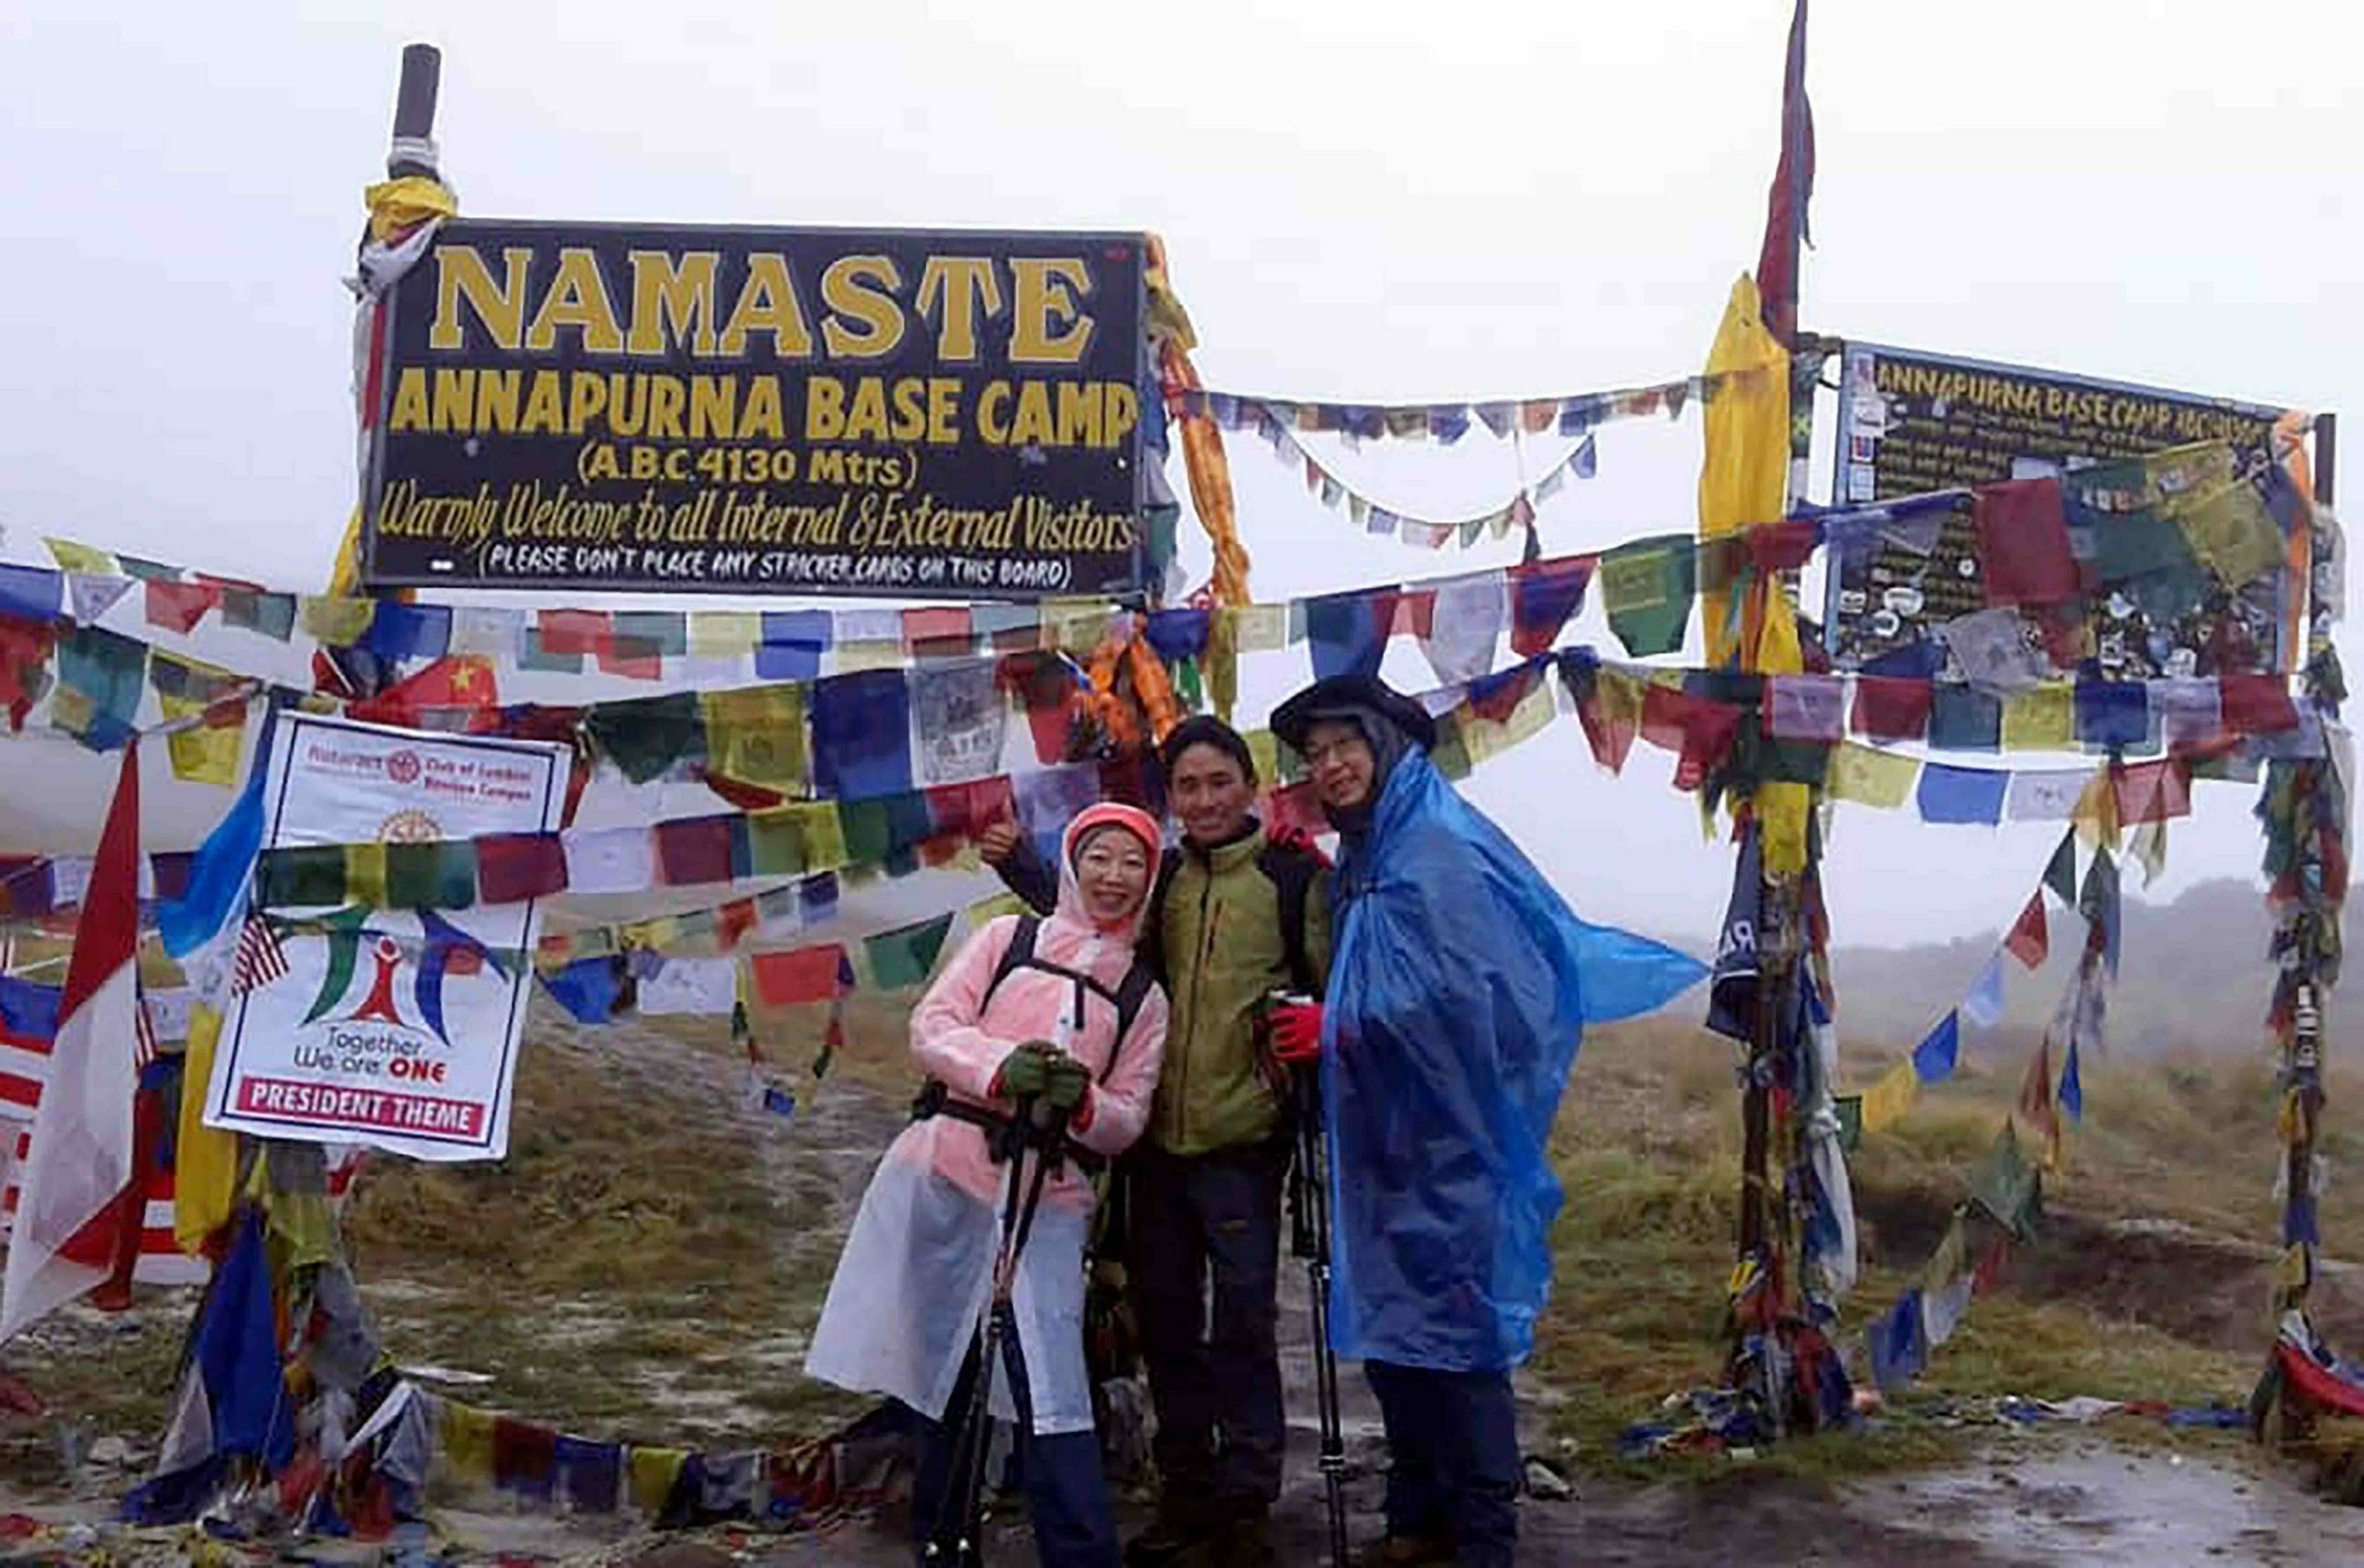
(1297, 1032)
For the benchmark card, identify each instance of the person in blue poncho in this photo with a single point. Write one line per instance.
(1460, 984)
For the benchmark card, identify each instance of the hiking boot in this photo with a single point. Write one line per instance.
(1174, 1532)
(1408, 1552)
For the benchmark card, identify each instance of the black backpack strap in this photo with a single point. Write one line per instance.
(1291, 872)
(1151, 949)
(1131, 992)
(1019, 955)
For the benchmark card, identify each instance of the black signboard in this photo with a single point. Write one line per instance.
(1911, 424)
(800, 411)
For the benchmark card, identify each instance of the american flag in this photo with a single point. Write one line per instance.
(260, 958)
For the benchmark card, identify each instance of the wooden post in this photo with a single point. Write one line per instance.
(412, 151)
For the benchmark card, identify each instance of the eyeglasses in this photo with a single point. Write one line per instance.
(1339, 750)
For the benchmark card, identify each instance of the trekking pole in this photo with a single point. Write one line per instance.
(1309, 1239)
(957, 1538)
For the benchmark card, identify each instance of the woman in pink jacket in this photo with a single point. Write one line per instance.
(1068, 1025)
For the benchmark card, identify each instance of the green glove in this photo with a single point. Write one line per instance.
(1065, 1083)
(1024, 1072)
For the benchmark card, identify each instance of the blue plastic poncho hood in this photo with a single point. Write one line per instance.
(1459, 988)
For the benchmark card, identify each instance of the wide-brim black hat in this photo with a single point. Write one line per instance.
(1342, 696)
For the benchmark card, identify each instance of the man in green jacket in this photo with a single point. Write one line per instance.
(1234, 915)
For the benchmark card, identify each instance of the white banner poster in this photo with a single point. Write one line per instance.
(396, 1028)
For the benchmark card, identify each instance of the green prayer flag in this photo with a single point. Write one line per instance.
(776, 845)
(106, 667)
(1451, 754)
(1647, 587)
(2061, 875)
(2005, 1185)
(665, 632)
(907, 956)
(648, 735)
(438, 875)
(869, 831)
(305, 876)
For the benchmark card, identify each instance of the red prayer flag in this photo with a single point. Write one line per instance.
(734, 920)
(2030, 939)
(1612, 741)
(179, 606)
(1785, 204)
(2257, 705)
(512, 867)
(938, 631)
(1891, 708)
(1294, 810)
(1698, 729)
(634, 659)
(806, 974)
(2023, 542)
(575, 632)
(2152, 791)
(694, 849)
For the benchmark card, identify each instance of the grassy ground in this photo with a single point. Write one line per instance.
(650, 1256)
(1649, 1147)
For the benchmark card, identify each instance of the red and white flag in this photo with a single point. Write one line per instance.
(80, 1209)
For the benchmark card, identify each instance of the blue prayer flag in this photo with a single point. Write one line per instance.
(862, 734)
(793, 642)
(1962, 794)
(1934, 1058)
(31, 592)
(1345, 634)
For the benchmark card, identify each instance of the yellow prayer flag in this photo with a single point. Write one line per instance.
(1745, 474)
(853, 656)
(1870, 775)
(1782, 811)
(1885, 1103)
(1221, 664)
(203, 755)
(364, 874)
(724, 633)
(652, 1472)
(85, 559)
(205, 1174)
(339, 623)
(1077, 627)
(1264, 751)
(755, 735)
(2096, 812)
(985, 912)
(464, 1434)
(2042, 719)
(824, 834)
(1486, 739)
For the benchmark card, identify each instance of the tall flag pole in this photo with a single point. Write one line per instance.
(1786, 227)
